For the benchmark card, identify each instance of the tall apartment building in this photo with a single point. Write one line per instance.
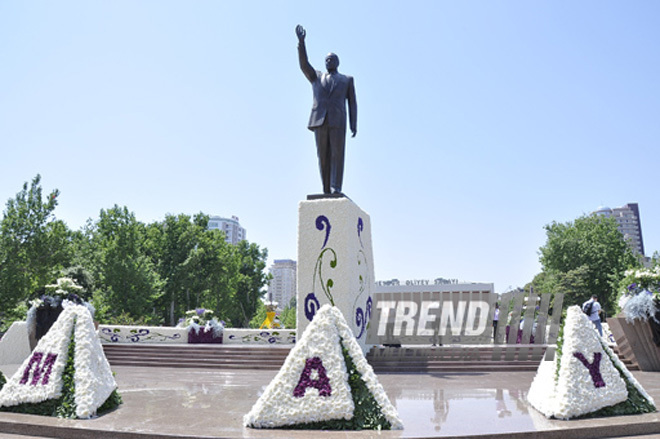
(233, 230)
(627, 217)
(282, 287)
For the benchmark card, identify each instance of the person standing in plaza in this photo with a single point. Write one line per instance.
(592, 308)
(496, 319)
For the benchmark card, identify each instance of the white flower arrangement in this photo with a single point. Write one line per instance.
(588, 379)
(292, 397)
(93, 377)
(56, 342)
(641, 306)
(63, 287)
(201, 318)
(645, 276)
(40, 378)
(64, 292)
(639, 299)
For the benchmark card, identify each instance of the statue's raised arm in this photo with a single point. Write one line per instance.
(300, 32)
(305, 66)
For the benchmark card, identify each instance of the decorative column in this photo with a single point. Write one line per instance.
(335, 263)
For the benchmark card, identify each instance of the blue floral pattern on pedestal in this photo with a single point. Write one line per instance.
(322, 222)
(360, 228)
(311, 306)
(327, 254)
(362, 316)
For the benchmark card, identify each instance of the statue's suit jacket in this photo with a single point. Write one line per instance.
(329, 97)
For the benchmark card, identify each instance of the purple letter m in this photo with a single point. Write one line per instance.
(39, 369)
(322, 383)
(594, 368)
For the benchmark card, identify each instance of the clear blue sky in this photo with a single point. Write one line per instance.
(479, 121)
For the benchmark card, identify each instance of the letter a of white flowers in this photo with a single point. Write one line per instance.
(40, 377)
(590, 381)
(313, 390)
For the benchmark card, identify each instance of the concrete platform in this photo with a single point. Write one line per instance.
(168, 403)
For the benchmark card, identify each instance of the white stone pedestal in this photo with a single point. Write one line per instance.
(335, 263)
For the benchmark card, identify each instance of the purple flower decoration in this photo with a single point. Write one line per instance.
(322, 383)
(311, 306)
(594, 368)
(360, 228)
(200, 311)
(632, 286)
(39, 369)
(322, 222)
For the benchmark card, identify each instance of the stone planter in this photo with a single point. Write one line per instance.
(635, 342)
(203, 336)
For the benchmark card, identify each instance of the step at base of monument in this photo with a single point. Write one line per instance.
(215, 356)
(452, 359)
(624, 353)
(425, 359)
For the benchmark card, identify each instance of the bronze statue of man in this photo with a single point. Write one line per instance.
(328, 119)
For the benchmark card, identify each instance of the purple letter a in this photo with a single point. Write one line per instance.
(322, 383)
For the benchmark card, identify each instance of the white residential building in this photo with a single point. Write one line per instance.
(627, 217)
(282, 287)
(233, 230)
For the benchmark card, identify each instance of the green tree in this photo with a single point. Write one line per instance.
(83, 278)
(170, 245)
(213, 273)
(585, 257)
(251, 282)
(259, 315)
(34, 246)
(126, 276)
(288, 317)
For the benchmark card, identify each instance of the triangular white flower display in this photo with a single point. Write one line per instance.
(93, 376)
(313, 384)
(590, 376)
(40, 377)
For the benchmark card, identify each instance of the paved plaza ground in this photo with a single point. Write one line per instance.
(210, 403)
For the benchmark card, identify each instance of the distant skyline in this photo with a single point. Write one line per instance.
(478, 122)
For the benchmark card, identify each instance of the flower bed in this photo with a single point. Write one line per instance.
(45, 310)
(66, 375)
(637, 328)
(325, 383)
(204, 335)
(585, 378)
(202, 326)
(640, 299)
